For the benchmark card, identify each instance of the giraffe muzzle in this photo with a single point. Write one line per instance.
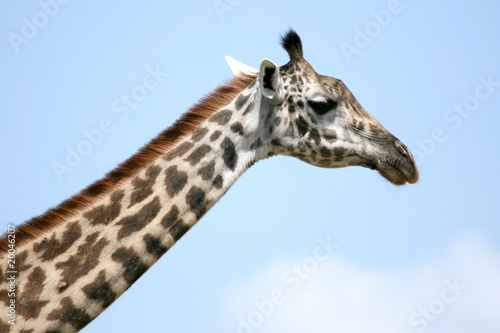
(398, 166)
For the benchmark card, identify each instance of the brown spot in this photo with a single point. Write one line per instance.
(197, 201)
(230, 156)
(198, 154)
(215, 135)
(4, 327)
(175, 180)
(314, 134)
(276, 142)
(29, 303)
(339, 152)
(143, 188)
(221, 117)
(218, 182)
(4, 292)
(54, 247)
(104, 214)
(136, 222)
(237, 128)
(86, 259)
(207, 172)
(330, 136)
(325, 152)
(173, 224)
(132, 264)
(69, 314)
(21, 261)
(302, 126)
(179, 151)
(154, 246)
(171, 217)
(199, 134)
(359, 124)
(100, 290)
(4, 298)
(376, 130)
(241, 100)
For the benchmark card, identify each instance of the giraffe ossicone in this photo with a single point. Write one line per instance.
(79, 257)
(238, 68)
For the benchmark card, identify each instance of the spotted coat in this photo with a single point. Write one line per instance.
(78, 258)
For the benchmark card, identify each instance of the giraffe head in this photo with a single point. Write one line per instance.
(317, 119)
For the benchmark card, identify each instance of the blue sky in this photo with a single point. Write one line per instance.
(423, 257)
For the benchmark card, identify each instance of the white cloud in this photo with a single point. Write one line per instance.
(458, 292)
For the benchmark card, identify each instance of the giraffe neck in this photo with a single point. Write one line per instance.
(70, 274)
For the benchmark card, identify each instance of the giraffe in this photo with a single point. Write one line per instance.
(79, 257)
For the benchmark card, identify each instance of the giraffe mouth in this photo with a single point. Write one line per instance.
(397, 171)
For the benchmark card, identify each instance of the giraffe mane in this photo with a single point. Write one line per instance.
(158, 146)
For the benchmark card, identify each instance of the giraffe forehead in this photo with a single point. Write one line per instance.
(301, 79)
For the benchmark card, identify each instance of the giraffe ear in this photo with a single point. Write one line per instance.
(238, 67)
(271, 83)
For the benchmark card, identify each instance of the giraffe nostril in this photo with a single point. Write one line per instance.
(402, 148)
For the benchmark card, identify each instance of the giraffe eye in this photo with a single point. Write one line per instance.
(322, 107)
